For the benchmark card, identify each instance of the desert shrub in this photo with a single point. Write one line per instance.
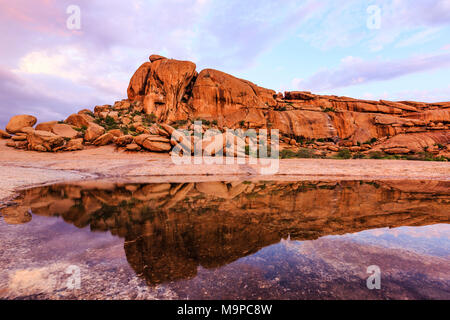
(371, 141)
(344, 154)
(376, 155)
(358, 155)
(110, 123)
(301, 154)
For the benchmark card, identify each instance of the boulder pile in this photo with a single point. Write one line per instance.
(166, 95)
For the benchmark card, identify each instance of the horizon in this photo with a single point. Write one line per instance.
(390, 50)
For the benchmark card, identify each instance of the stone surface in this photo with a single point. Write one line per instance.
(164, 94)
(78, 120)
(133, 147)
(104, 140)
(4, 134)
(416, 142)
(46, 126)
(74, 145)
(93, 131)
(18, 122)
(64, 130)
(153, 143)
(124, 140)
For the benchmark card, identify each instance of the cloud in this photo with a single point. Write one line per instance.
(420, 37)
(75, 64)
(52, 68)
(355, 71)
(45, 96)
(344, 24)
(51, 71)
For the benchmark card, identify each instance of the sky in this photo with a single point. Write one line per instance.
(61, 56)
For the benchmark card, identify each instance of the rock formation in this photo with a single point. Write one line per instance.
(171, 92)
(170, 229)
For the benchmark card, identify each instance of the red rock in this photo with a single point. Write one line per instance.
(4, 135)
(217, 95)
(46, 126)
(301, 123)
(64, 130)
(161, 85)
(104, 140)
(124, 140)
(416, 142)
(299, 95)
(104, 108)
(133, 147)
(333, 148)
(19, 138)
(44, 141)
(397, 151)
(155, 57)
(153, 143)
(78, 120)
(74, 145)
(16, 123)
(93, 131)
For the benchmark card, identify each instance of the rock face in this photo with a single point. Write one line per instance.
(217, 95)
(153, 143)
(171, 91)
(16, 123)
(161, 85)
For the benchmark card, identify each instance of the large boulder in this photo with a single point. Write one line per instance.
(46, 126)
(4, 135)
(153, 143)
(44, 141)
(104, 139)
(93, 131)
(139, 81)
(74, 145)
(161, 85)
(124, 140)
(16, 123)
(79, 120)
(416, 142)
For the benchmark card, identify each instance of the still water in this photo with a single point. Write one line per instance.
(227, 240)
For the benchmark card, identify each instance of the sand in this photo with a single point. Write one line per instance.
(20, 169)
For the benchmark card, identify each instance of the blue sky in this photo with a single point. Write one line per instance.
(322, 46)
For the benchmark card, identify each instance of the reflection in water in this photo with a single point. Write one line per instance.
(172, 229)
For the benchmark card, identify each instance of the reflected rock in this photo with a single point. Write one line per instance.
(170, 229)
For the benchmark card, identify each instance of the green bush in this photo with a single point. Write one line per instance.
(358, 155)
(376, 155)
(300, 154)
(344, 154)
